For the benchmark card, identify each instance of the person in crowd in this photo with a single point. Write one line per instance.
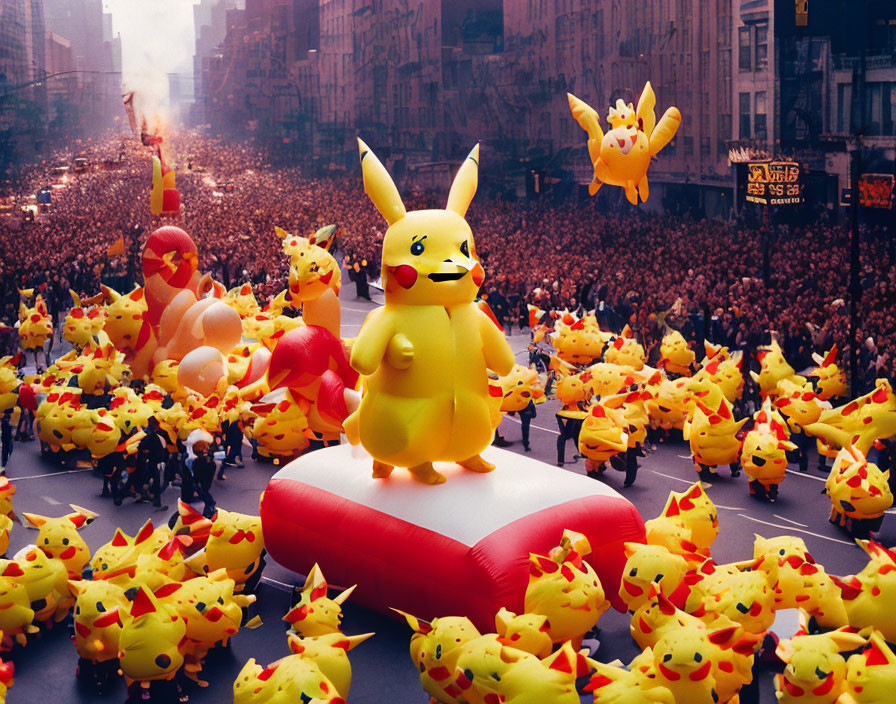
(203, 474)
(151, 457)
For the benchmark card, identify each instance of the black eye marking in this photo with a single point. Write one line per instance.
(100, 607)
(417, 246)
(163, 661)
(465, 248)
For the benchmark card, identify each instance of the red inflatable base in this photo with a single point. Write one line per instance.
(460, 548)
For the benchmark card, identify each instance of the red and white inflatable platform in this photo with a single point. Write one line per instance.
(459, 548)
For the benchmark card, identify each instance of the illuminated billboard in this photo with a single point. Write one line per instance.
(774, 183)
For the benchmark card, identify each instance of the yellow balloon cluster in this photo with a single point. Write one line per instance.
(532, 656)
(699, 623)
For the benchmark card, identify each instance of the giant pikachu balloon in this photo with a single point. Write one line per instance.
(424, 354)
(622, 155)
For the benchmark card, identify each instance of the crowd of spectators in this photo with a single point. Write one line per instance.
(723, 281)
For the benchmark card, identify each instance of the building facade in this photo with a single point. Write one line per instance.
(424, 80)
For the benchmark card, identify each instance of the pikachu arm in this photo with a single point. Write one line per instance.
(828, 433)
(498, 355)
(372, 342)
(665, 130)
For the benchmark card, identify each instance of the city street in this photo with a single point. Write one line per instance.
(383, 671)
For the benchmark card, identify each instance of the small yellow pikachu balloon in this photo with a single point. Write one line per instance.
(675, 355)
(622, 155)
(424, 354)
(868, 597)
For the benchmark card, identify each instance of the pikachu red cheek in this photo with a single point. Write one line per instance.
(478, 274)
(405, 275)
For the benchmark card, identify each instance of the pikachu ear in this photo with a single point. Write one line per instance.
(378, 185)
(646, 103)
(464, 187)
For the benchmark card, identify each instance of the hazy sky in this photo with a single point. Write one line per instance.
(157, 38)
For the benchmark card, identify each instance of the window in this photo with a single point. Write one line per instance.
(761, 47)
(759, 117)
(844, 98)
(743, 46)
(688, 145)
(744, 116)
(724, 132)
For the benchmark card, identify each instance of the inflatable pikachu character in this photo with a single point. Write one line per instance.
(868, 596)
(622, 155)
(424, 354)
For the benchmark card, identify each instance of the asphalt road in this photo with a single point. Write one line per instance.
(383, 671)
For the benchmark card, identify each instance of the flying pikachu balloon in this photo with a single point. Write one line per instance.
(622, 155)
(424, 354)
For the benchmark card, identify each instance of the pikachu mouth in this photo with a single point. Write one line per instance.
(439, 276)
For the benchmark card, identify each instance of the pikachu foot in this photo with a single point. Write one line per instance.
(477, 464)
(381, 470)
(427, 474)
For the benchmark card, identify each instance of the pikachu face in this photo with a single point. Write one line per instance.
(520, 388)
(81, 325)
(573, 389)
(429, 257)
(9, 384)
(657, 616)
(209, 607)
(235, 543)
(774, 369)
(608, 379)
(16, 614)
(814, 665)
(577, 343)
(677, 357)
(565, 589)
(97, 619)
(668, 405)
(46, 582)
(746, 598)
(149, 639)
(647, 564)
(164, 374)
(800, 404)
(726, 374)
(281, 429)
(713, 435)
(763, 456)
(603, 434)
(683, 656)
(312, 268)
(857, 488)
(58, 537)
(626, 352)
(124, 317)
(694, 510)
(871, 674)
(831, 378)
(435, 648)
(526, 632)
(316, 614)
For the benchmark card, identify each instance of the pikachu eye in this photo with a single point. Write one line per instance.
(465, 248)
(417, 247)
